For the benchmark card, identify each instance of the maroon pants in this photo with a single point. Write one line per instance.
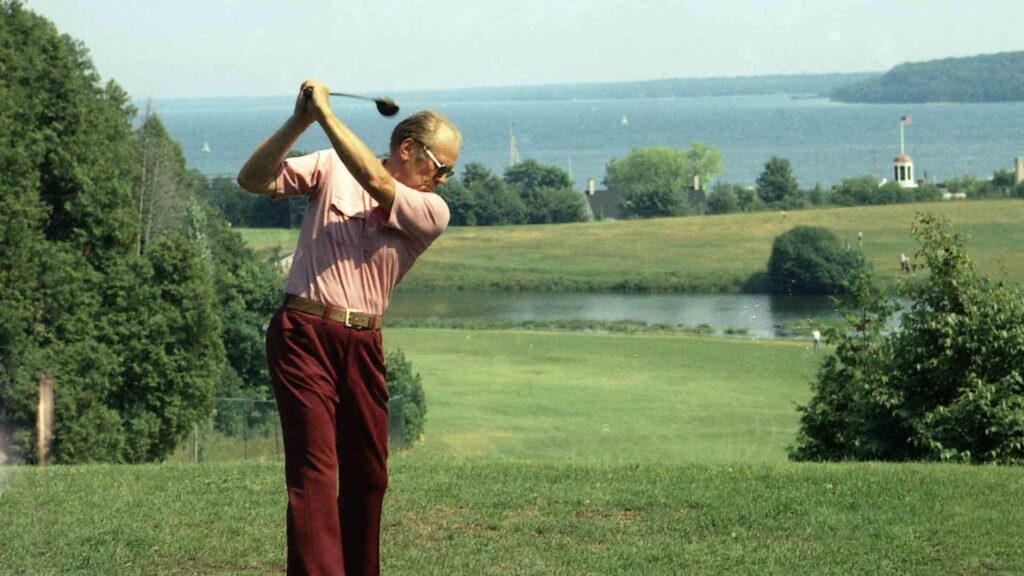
(329, 382)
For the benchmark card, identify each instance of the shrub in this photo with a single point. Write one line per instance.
(408, 405)
(947, 385)
(810, 260)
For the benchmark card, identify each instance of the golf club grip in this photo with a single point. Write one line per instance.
(308, 93)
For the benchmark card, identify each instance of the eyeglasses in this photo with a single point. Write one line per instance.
(440, 170)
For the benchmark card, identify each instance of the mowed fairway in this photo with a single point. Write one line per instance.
(557, 397)
(446, 516)
(705, 253)
(553, 453)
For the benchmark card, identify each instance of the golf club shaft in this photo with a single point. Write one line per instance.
(308, 92)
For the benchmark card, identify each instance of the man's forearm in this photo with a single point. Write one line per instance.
(364, 165)
(257, 175)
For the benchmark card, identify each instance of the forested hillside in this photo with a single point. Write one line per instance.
(986, 78)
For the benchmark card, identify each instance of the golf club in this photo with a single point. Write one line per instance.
(386, 106)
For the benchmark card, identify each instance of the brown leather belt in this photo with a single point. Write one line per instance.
(351, 318)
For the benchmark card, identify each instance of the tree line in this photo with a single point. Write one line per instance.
(650, 183)
(527, 193)
(127, 289)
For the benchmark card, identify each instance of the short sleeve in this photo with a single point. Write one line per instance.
(301, 175)
(421, 216)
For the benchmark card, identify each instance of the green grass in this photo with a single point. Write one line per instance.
(696, 254)
(555, 453)
(529, 395)
(459, 516)
(590, 397)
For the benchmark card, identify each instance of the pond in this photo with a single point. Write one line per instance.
(759, 315)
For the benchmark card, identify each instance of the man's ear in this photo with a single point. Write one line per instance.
(407, 149)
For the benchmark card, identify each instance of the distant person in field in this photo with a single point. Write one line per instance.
(816, 336)
(366, 223)
(904, 263)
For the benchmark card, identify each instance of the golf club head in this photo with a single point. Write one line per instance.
(386, 106)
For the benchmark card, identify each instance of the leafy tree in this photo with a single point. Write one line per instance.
(747, 198)
(408, 402)
(554, 206)
(231, 201)
(531, 175)
(723, 199)
(810, 260)
(130, 336)
(817, 196)
(164, 186)
(475, 173)
(866, 191)
(947, 385)
(653, 181)
(776, 184)
(493, 202)
(547, 193)
(461, 202)
(856, 191)
(168, 361)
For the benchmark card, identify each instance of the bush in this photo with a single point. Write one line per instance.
(408, 405)
(946, 386)
(810, 260)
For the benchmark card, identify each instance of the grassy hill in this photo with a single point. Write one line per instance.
(696, 254)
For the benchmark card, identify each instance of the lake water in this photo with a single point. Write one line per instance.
(824, 141)
(760, 315)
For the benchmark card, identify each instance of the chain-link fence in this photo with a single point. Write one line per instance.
(249, 429)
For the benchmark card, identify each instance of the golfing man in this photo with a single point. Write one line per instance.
(366, 222)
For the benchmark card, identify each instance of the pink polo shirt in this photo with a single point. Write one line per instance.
(350, 252)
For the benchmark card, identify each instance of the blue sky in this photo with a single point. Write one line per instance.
(194, 48)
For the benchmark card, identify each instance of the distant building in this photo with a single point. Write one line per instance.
(903, 165)
(903, 171)
(1018, 175)
(607, 204)
(603, 204)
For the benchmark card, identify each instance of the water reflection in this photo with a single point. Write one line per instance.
(760, 315)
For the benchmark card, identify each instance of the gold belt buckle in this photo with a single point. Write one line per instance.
(348, 316)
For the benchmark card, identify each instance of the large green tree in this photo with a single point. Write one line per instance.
(547, 193)
(653, 181)
(128, 331)
(479, 198)
(776, 184)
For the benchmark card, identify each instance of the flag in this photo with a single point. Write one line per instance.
(905, 120)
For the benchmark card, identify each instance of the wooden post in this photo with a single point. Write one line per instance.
(44, 419)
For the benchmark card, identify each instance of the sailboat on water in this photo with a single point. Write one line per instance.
(206, 146)
(625, 121)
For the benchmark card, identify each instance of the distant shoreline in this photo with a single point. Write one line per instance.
(816, 84)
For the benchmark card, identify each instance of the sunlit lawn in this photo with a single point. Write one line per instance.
(554, 453)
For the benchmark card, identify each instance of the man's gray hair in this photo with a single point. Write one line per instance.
(422, 127)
